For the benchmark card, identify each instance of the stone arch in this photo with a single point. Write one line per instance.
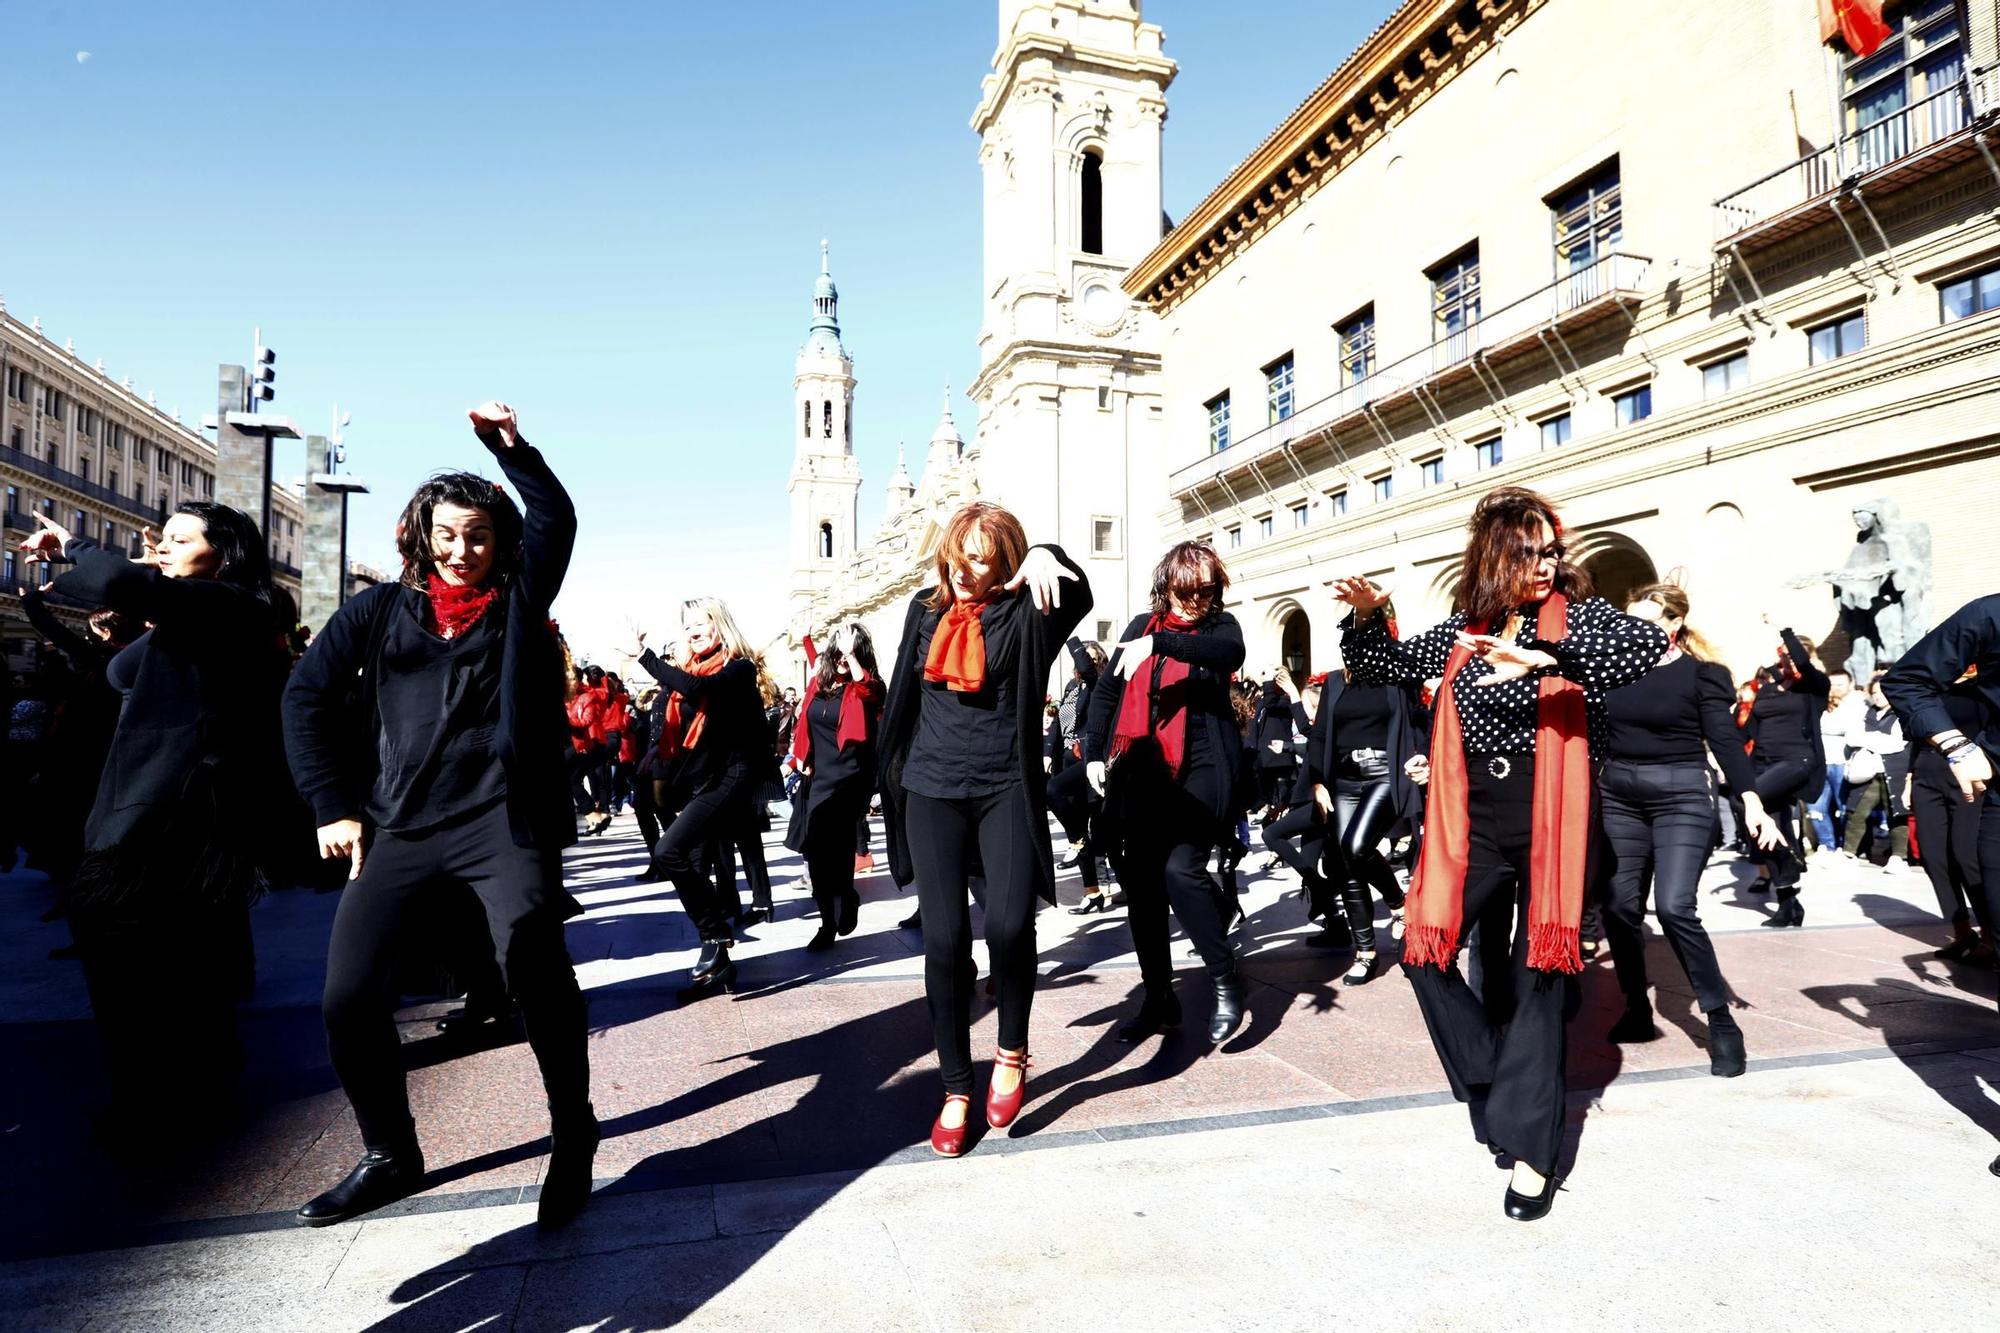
(1441, 594)
(1290, 629)
(1616, 564)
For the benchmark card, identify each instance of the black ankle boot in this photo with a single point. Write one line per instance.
(1160, 1013)
(1726, 1057)
(1636, 1023)
(573, 1141)
(1788, 912)
(1229, 994)
(823, 938)
(714, 953)
(381, 1177)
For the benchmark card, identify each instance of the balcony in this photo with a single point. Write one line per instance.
(103, 495)
(1946, 128)
(13, 520)
(1613, 284)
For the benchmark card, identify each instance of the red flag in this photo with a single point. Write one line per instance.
(812, 653)
(1858, 23)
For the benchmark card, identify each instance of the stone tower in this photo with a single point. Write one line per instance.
(826, 480)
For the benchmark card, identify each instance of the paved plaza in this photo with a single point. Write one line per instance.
(764, 1162)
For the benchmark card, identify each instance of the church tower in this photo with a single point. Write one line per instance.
(826, 479)
(1071, 430)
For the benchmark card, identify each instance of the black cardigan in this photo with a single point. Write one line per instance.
(1040, 638)
(733, 730)
(1408, 736)
(1917, 684)
(205, 698)
(532, 738)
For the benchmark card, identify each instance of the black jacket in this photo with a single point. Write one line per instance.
(1213, 651)
(1817, 688)
(733, 730)
(1041, 638)
(1916, 685)
(203, 708)
(531, 740)
(1054, 744)
(1409, 735)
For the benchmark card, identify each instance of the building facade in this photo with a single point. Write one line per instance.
(1697, 274)
(102, 461)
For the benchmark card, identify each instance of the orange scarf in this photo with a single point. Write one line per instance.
(1560, 821)
(681, 732)
(958, 649)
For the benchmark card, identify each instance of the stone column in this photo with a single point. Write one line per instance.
(323, 547)
(242, 458)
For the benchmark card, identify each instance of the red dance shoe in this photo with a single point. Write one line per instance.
(1002, 1107)
(950, 1142)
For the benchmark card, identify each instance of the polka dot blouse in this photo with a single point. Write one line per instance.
(1603, 649)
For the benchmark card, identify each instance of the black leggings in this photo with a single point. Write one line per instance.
(1363, 809)
(1516, 1067)
(1659, 820)
(829, 847)
(646, 809)
(522, 891)
(1076, 808)
(711, 814)
(1948, 837)
(944, 836)
(1168, 834)
(1780, 784)
(1298, 837)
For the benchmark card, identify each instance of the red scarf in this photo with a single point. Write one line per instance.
(1164, 695)
(681, 731)
(457, 607)
(859, 705)
(958, 649)
(1560, 821)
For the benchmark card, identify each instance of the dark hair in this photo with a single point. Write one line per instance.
(1188, 570)
(116, 627)
(1500, 559)
(246, 561)
(468, 490)
(594, 674)
(827, 678)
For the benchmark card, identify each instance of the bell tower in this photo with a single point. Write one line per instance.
(826, 479)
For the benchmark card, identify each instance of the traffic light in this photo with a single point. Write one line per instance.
(263, 374)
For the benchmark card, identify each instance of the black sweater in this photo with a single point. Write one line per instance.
(1916, 685)
(733, 730)
(1405, 736)
(1666, 716)
(531, 737)
(1784, 721)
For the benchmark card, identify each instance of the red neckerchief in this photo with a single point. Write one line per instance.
(1560, 821)
(457, 607)
(958, 649)
(860, 707)
(681, 730)
(1163, 696)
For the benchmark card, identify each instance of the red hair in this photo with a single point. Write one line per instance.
(1501, 557)
(1006, 541)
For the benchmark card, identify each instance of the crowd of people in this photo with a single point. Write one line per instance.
(1494, 786)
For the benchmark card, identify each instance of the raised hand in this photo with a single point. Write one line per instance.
(47, 543)
(1129, 656)
(1042, 574)
(1359, 593)
(1509, 660)
(495, 420)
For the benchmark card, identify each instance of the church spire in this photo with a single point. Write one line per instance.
(824, 335)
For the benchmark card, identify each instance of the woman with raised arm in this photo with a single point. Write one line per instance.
(1163, 749)
(1790, 762)
(716, 747)
(1658, 805)
(461, 688)
(833, 750)
(1524, 666)
(189, 811)
(962, 778)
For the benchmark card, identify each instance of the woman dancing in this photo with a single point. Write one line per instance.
(1164, 750)
(716, 747)
(461, 685)
(833, 749)
(1658, 805)
(1790, 761)
(1523, 665)
(962, 777)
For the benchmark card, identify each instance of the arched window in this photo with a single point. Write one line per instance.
(826, 419)
(826, 541)
(807, 408)
(1090, 194)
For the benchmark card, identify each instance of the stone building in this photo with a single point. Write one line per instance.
(102, 461)
(1692, 270)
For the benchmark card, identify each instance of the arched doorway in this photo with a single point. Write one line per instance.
(1295, 637)
(1617, 565)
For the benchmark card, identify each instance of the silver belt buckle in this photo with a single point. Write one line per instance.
(1499, 765)
(1366, 754)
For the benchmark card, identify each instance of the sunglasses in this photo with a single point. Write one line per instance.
(1553, 551)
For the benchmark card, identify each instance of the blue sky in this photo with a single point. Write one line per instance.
(607, 214)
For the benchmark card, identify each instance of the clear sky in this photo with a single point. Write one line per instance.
(607, 214)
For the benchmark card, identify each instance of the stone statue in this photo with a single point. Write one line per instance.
(1884, 589)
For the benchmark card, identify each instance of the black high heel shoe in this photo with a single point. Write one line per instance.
(381, 1177)
(1531, 1207)
(573, 1140)
(714, 953)
(1158, 1014)
(1229, 996)
(1092, 902)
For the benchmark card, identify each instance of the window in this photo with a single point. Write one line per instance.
(139, 494)
(138, 453)
(47, 506)
(807, 408)
(826, 419)
(1336, 503)
(1589, 220)
(111, 480)
(17, 385)
(1357, 347)
(1104, 536)
(1218, 423)
(82, 524)
(1455, 300)
(1836, 338)
(1090, 197)
(1725, 376)
(1278, 389)
(1104, 397)
(1384, 486)
(1974, 294)
(826, 541)
(1266, 525)
(16, 442)
(9, 578)
(1301, 514)
(1430, 472)
(1235, 537)
(1488, 453)
(1555, 431)
(1922, 58)
(110, 535)
(1633, 405)
(1103, 631)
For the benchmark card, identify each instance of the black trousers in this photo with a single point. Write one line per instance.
(1948, 837)
(1298, 838)
(944, 836)
(829, 847)
(1076, 808)
(1658, 820)
(1516, 1068)
(1780, 785)
(522, 891)
(1989, 851)
(709, 816)
(1169, 832)
(748, 843)
(645, 808)
(1363, 810)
